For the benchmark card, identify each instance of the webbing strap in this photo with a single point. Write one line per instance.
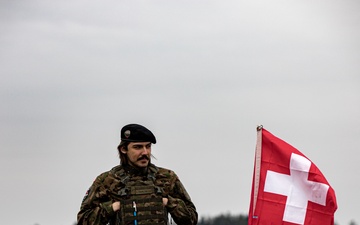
(145, 217)
(149, 208)
(144, 200)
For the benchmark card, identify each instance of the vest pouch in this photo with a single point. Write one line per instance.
(142, 206)
(143, 212)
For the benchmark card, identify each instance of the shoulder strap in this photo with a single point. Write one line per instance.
(118, 171)
(152, 172)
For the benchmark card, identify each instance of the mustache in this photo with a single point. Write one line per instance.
(143, 157)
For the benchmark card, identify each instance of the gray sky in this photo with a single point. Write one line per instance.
(200, 74)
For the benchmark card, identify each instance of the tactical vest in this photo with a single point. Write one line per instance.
(141, 200)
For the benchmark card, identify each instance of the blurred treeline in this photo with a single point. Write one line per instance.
(224, 220)
(228, 219)
(235, 220)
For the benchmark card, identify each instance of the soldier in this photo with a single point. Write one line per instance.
(136, 191)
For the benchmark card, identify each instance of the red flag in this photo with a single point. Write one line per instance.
(287, 187)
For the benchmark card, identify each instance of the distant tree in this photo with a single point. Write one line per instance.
(224, 220)
(352, 222)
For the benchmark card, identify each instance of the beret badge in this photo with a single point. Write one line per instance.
(127, 133)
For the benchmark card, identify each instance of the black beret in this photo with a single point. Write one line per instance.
(137, 133)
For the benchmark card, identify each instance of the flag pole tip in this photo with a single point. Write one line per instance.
(259, 127)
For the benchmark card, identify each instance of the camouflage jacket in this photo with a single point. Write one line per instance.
(96, 207)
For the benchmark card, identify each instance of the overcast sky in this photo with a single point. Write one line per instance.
(200, 74)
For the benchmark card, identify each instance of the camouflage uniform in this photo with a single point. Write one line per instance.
(96, 208)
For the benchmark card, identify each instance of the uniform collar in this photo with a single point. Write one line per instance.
(136, 171)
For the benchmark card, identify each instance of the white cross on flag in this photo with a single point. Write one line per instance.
(287, 187)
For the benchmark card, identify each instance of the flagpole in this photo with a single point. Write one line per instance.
(257, 165)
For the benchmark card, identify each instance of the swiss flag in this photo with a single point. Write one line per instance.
(287, 187)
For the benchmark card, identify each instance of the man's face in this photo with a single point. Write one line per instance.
(138, 153)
